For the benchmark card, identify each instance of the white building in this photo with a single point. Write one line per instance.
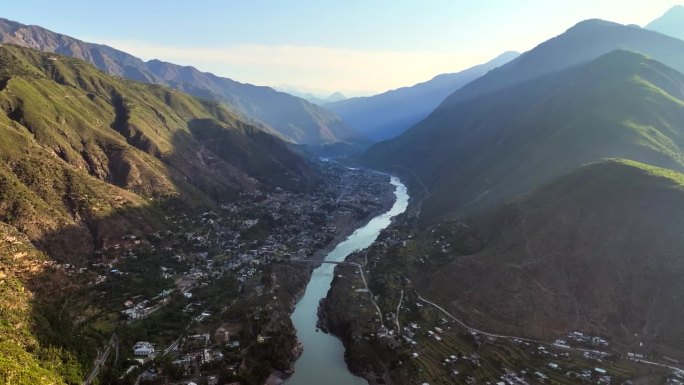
(143, 348)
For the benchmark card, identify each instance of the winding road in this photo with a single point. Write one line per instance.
(470, 328)
(401, 298)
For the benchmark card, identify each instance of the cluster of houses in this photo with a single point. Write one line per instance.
(512, 378)
(600, 375)
(585, 339)
(300, 223)
(199, 357)
(222, 241)
(677, 378)
(454, 363)
(135, 311)
(297, 235)
(595, 355)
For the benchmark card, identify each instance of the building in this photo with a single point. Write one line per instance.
(143, 348)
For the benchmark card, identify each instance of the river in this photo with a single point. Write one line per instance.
(322, 362)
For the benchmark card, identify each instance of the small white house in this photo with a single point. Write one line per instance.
(143, 348)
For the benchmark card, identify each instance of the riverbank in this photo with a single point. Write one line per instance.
(352, 328)
(296, 276)
(323, 358)
(347, 227)
(356, 328)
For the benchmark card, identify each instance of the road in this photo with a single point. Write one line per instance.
(370, 293)
(641, 361)
(99, 362)
(401, 298)
(363, 278)
(645, 362)
(470, 328)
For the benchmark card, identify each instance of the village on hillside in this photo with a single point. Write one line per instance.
(427, 344)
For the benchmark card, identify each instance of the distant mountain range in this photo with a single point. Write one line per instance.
(295, 119)
(316, 99)
(387, 115)
(546, 122)
(671, 23)
(334, 97)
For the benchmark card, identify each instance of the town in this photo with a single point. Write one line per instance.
(208, 299)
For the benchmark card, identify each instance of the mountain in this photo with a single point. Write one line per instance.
(87, 158)
(77, 143)
(583, 42)
(387, 115)
(598, 250)
(313, 98)
(619, 105)
(334, 97)
(671, 23)
(296, 120)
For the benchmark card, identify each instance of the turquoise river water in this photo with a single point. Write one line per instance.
(322, 362)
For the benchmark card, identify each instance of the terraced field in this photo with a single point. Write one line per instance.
(419, 357)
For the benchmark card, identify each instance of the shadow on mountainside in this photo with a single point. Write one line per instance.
(91, 164)
(71, 317)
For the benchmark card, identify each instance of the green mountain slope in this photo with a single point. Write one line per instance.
(468, 158)
(384, 116)
(671, 23)
(295, 119)
(86, 158)
(582, 43)
(597, 250)
(78, 144)
(22, 358)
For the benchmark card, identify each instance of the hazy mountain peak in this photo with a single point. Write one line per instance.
(335, 97)
(585, 41)
(387, 115)
(594, 25)
(675, 10)
(671, 23)
(506, 55)
(500, 60)
(531, 118)
(593, 22)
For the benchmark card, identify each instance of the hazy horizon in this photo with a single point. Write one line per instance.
(324, 48)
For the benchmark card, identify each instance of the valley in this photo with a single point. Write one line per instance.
(214, 290)
(322, 360)
(514, 222)
(449, 314)
(238, 294)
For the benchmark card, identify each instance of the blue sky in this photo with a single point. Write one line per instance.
(357, 47)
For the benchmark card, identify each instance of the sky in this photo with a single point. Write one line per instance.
(357, 47)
